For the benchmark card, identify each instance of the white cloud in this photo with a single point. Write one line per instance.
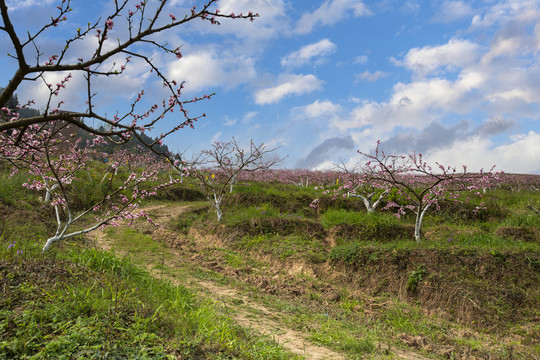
(537, 37)
(305, 54)
(39, 92)
(369, 76)
(108, 90)
(500, 81)
(413, 105)
(216, 137)
(320, 108)
(20, 4)
(289, 85)
(518, 155)
(272, 19)
(513, 94)
(435, 93)
(111, 91)
(503, 47)
(248, 117)
(410, 7)
(455, 54)
(205, 70)
(325, 166)
(503, 11)
(362, 59)
(451, 11)
(229, 122)
(330, 12)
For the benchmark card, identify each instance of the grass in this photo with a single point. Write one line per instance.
(456, 241)
(184, 222)
(94, 304)
(77, 301)
(284, 247)
(12, 193)
(274, 188)
(360, 332)
(261, 211)
(523, 219)
(332, 218)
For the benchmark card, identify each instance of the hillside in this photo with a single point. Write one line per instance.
(275, 279)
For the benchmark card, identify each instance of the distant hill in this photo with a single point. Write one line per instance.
(130, 145)
(13, 102)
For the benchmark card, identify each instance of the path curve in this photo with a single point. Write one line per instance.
(292, 340)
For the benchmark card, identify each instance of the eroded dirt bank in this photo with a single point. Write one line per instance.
(459, 286)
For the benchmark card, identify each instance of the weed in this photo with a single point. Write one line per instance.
(284, 247)
(415, 277)
(332, 218)
(533, 263)
(348, 253)
(349, 303)
(500, 257)
(183, 223)
(91, 304)
(234, 260)
(528, 219)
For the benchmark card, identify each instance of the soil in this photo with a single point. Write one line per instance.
(248, 312)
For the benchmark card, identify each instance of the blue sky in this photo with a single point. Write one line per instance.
(458, 81)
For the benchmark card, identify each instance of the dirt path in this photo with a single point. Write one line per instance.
(258, 320)
(246, 311)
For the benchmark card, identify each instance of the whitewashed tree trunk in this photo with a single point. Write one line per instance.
(62, 229)
(48, 193)
(418, 223)
(368, 200)
(233, 181)
(63, 234)
(216, 203)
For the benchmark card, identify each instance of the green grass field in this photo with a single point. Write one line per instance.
(470, 288)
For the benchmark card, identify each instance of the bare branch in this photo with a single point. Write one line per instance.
(92, 68)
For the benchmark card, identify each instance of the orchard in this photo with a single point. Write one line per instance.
(38, 144)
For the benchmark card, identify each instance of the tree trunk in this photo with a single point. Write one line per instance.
(219, 214)
(418, 223)
(368, 200)
(233, 181)
(368, 204)
(49, 242)
(216, 203)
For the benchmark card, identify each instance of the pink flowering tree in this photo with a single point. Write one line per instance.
(37, 143)
(55, 164)
(364, 184)
(422, 186)
(360, 182)
(219, 167)
(127, 33)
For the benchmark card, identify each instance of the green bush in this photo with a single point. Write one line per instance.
(332, 218)
(528, 219)
(349, 252)
(284, 247)
(415, 277)
(12, 193)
